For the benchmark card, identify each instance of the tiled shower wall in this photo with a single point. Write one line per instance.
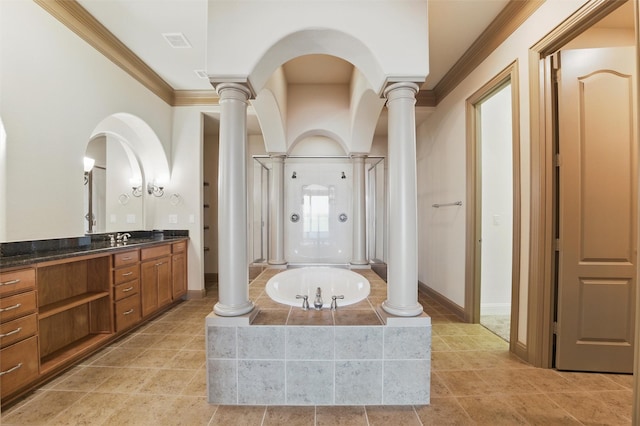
(319, 365)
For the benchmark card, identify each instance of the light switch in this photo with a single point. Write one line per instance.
(131, 218)
(173, 218)
(113, 218)
(192, 218)
(496, 219)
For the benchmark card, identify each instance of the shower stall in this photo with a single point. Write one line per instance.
(318, 209)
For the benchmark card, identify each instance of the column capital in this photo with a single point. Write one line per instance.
(358, 155)
(237, 91)
(277, 156)
(393, 91)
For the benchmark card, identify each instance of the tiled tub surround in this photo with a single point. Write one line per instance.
(282, 355)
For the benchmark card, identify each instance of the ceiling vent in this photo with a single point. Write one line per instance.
(177, 40)
(202, 74)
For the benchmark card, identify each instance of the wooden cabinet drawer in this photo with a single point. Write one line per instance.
(128, 312)
(17, 281)
(18, 329)
(157, 251)
(126, 258)
(12, 307)
(18, 365)
(179, 247)
(125, 290)
(128, 273)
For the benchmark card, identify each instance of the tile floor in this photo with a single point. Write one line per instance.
(156, 376)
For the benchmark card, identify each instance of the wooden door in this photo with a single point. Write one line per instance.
(163, 268)
(148, 287)
(597, 210)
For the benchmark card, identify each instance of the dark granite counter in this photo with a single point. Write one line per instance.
(23, 253)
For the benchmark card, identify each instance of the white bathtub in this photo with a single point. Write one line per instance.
(284, 287)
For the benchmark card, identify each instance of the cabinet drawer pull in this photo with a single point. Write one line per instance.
(127, 290)
(10, 282)
(126, 258)
(9, 308)
(127, 274)
(129, 312)
(161, 263)
(17, 330)
(11, 370)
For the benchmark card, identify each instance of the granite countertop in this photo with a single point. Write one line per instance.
(23, 253)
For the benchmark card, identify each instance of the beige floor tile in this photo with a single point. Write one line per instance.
(159, 328)
(438, 387)
(142, 410)
(228, 415)
(465, 383)
(548, 380)
(619, 401)
(506, 381)
(197, 386)
(392, 415)
(540, 410)
(447, 361)
(188, 411)
(197, 343)
(124, 380)
(173, 341)
(85, 378)
(92, 409)
(167, 382)
(590, 409)
(437, 344)
(491, 411)
(43, 408)
(152, 358)
(591, 381)
(142, 340)
(340, 415)
(443, 411)
(625, 380)
(289, 416)
(117, 357)
(187, 359)
(461, 343)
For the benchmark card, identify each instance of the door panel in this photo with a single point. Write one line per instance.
(598, 213)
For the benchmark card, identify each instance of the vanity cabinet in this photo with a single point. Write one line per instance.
(179, 269)
(19, 364)
(155, 278)
(75, 312)
(126, 289)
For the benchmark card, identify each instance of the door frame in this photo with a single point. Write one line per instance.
(542, 267)
(474, 200)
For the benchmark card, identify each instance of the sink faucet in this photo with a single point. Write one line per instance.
(123, 238)
(317, 303)
(334, 301)
(305, 301)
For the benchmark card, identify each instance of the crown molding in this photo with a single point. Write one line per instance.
(195, 97)
(81, 22)
(507, 21)
(426, 98)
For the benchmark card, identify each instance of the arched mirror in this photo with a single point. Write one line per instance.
(113, 182)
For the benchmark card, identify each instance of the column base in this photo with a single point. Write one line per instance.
(233, 311)
(402, 311)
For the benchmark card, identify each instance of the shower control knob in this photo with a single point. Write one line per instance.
(343, 217)
(295, 217)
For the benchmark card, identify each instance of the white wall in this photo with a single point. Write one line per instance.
(55, 90)
(441, 164)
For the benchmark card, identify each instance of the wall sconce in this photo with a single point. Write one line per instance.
(136, 187)
(293, 176)
(88, 166)
(155, 190)
(343, 176)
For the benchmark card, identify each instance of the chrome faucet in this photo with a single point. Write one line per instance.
(317, 303)
(334, 302)
(305, 301)
(123, 238)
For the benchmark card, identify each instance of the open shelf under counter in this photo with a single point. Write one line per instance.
(72, 302)
(71, 352)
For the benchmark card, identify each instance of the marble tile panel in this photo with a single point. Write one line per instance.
(358, 342)
(261, 342)
(407, 342)
(261, 382)
(406, 382)
(221, 342)
(358, 382)
(309, 382)
(309, 342)
(222, 381)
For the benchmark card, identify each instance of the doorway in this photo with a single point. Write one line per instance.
(494, 197)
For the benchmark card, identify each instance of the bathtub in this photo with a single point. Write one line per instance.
(284, 287)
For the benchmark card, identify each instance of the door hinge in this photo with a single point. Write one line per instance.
(556, 244)
(555, 327)
(557, 160)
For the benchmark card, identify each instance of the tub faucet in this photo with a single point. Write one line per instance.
(305, 301)
(317, 303)
(123, 238)
(334, 301)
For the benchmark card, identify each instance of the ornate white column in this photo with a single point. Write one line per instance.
(276, 211)
(233, 272)
(359, 250)
(402, 274)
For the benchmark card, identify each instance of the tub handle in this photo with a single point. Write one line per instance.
(305, 301)
(334, 301)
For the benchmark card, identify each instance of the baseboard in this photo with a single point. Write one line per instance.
(456, 309)
(196, 294)
(521, 351)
